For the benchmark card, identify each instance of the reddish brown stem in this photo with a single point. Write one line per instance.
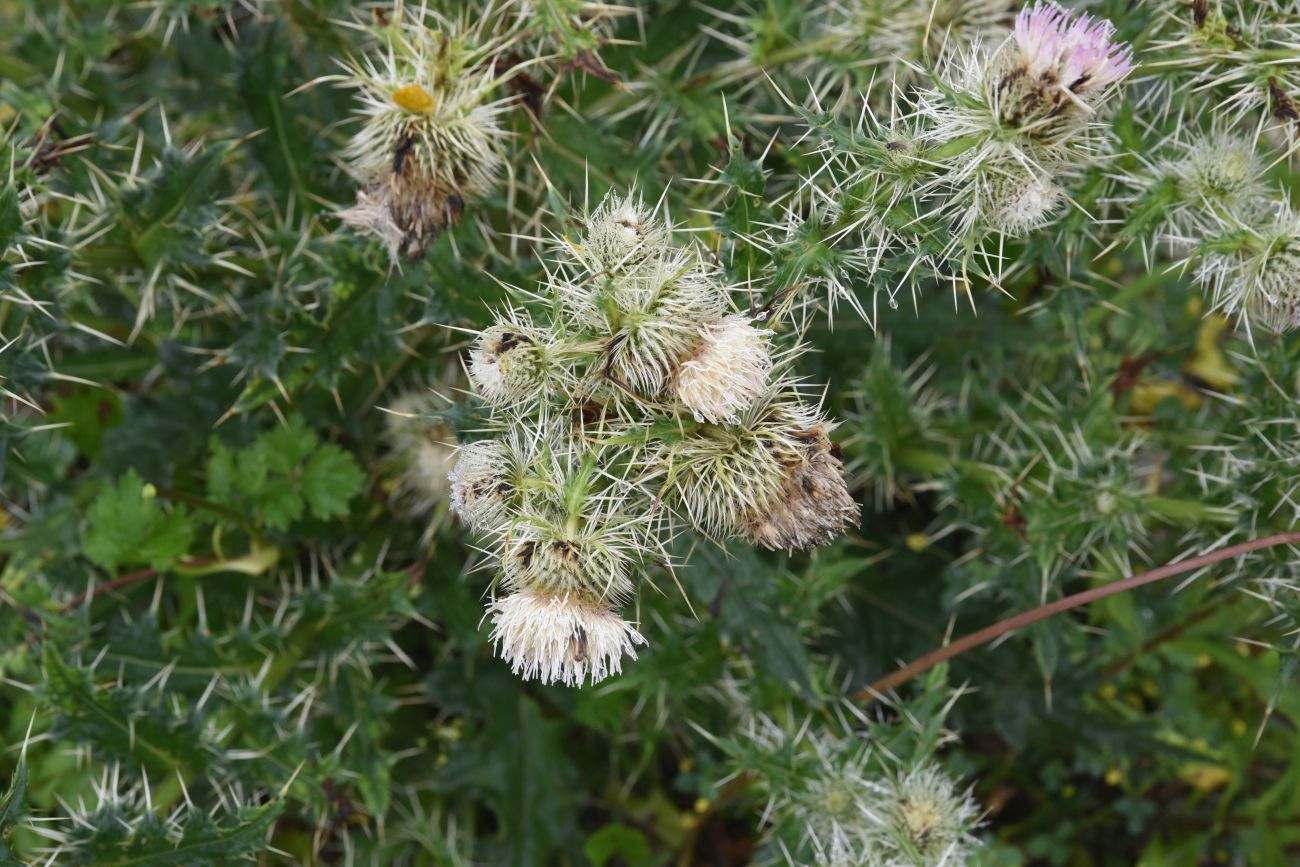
(1025, 618)
(123, 580)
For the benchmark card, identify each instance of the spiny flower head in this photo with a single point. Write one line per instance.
(589, 555)
(727, 371)
(773, 479)
(924, 820)
(1222, 172)
(814, 506)
(561, 638)
(509, 362)
(481, 484)
(1056, 65)
(1079, 54)
(423, 449)
(1017, 202)
(1260, 279)
(656, 316)
(431, 137)
(621, 233)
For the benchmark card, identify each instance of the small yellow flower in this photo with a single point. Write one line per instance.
(917, 541)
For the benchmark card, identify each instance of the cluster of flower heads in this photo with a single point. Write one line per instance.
(1212, 210)
(834, 801)
(630, 401)
(980, 153)
(432, 137)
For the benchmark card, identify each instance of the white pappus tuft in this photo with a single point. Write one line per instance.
(560, 638)
(727, 371)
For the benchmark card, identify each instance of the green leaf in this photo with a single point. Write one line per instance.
(283, 148)
(617, 841)
(11, 219)
(331, 478)
(121, 722)
(200, 841)
(152, 211)
(13, 810)
(283, 474)
(128, 525)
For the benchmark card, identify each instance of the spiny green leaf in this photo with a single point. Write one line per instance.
(13, 810)
(121, 722)
(116, 841)
(11, 220)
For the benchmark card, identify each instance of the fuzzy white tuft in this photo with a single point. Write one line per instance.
(560, 639)
(727, 371)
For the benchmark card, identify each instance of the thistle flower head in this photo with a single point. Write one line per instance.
(658, 313)
(589, 557)
(560, 638)
(726, 372)
(1261, 279)
(923, 819)
(431, 137)
(1018, 202)
(814, 505)
(621, 233)
(508, 362)
(1222, 172)
(1056, 64)
(1077, 54)
(481, 484)
(773, 479)
(422, 448)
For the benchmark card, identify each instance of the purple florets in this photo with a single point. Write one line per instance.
(1079, 53)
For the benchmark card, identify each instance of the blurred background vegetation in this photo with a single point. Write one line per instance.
(234, 625)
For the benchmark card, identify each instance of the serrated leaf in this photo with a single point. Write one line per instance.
(283, 474)
(283, 145)
(150, 211)
(127, 527)
(331, 478)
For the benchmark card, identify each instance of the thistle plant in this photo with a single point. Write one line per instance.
(905, 475)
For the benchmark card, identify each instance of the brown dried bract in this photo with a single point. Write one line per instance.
(814, 505)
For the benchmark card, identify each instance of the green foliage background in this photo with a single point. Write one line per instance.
(278, 662)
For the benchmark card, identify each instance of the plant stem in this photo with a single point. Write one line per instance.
(1025, 618)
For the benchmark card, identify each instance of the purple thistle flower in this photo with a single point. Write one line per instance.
(1078, 54)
